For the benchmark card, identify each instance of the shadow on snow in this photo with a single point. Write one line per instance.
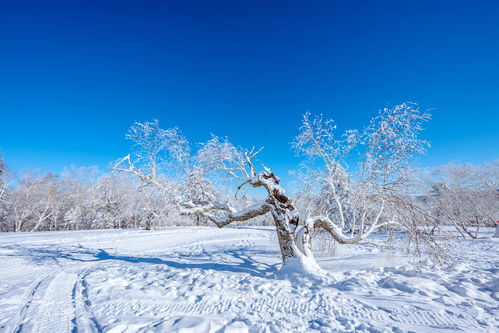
(237, 260)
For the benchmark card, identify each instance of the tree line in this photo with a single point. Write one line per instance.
(352, 185)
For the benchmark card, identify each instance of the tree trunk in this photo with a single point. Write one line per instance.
(287, 243)
(295, 242)
(148, 222)
(496, 234)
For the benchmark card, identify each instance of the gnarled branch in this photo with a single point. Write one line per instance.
(322, 222)
(232, 216)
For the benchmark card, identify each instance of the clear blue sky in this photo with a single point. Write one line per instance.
(74, 75)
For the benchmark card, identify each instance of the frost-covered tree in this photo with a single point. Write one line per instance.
(3, 184)
(156, 150)
(198, 190)
(358, 202)
(36, 203)
(84, 198)
(465, 196)
(161, 159)
(79, 186)
(237, 164)
(361, 176)
(3, 188)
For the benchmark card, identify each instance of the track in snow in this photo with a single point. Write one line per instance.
(51, 304)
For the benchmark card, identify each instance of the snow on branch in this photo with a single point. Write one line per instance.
(232, 216)
(124, 164)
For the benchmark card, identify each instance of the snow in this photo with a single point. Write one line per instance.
(206, 279)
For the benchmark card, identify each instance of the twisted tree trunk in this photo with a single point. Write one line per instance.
(294, 242)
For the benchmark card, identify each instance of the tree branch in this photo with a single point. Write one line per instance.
(232, 216)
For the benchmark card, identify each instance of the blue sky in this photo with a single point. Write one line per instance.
(74, 75)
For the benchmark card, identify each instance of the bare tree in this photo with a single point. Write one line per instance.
(35, 202)
(3, 184)
(198, 190)
(356, 203)
(465, 196)
(81, 190)
(158, 153)
(3, 188)
(5, 178)
(155, 148)
(220, 155)
(389, 144)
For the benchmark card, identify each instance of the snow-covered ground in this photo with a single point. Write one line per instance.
(223, 280)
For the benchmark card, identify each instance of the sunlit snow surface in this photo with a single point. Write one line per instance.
(223, 280)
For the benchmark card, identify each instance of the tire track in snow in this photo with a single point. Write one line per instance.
(267, 307)
(19, 321)
(56, 312)
(85, 318)
(199, 245)
(51, 304)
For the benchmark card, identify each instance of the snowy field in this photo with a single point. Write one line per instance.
(223, 280)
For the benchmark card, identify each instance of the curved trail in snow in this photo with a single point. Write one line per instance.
(20, 318)
(56, 311)
(49, 305)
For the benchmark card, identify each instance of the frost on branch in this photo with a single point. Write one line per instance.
(157, 149)
(356, 183)
(348, 204)
(161, 160)
(464, 196)
(353, 202)
(220, 156)
(199, 190)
